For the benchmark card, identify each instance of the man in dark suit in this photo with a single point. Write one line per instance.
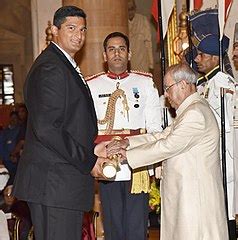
(56, 169)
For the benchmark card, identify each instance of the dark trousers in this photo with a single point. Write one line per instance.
(232, 230)
(55, 223)
(125, 215)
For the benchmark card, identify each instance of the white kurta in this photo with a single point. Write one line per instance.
(143, 101)
(212, 87)
(192, 197)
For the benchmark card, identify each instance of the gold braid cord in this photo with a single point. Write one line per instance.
(140, 179)
(111, 106)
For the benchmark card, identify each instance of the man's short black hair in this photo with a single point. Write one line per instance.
(116, 34)
(67, 11)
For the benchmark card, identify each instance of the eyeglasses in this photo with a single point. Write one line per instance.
(166, 88)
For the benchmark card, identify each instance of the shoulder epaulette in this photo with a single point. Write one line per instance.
(200, 78)
(91, 77)
(147, 74)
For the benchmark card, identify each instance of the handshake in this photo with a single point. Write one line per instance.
(110, 155)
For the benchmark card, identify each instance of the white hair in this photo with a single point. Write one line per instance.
(182, 71)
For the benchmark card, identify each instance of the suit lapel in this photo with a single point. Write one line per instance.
(76, 77)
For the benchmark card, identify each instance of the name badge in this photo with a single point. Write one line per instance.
(104, 95)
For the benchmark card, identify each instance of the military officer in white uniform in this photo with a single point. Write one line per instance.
(209, 86)
(126, 103)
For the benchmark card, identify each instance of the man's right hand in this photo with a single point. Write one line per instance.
(97, 169)
(101, 149)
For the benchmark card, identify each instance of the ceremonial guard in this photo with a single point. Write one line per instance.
(126, 103)
(209, 86)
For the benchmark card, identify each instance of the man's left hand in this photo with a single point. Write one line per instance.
(97, 169)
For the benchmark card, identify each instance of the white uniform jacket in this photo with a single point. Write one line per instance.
(192, 197)
(215, 80)
(143, 101)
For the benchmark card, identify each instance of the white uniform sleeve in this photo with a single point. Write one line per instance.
(221, 81)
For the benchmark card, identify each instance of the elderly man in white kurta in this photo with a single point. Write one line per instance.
(192, 197)
(209, 87)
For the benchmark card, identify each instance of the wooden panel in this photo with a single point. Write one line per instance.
(103, 17)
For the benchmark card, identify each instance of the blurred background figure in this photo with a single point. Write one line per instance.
(8, 199)
(9, 141)
(16, 151)
(19, 211)
(4, 176)
(140, 40)
(235, 47)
